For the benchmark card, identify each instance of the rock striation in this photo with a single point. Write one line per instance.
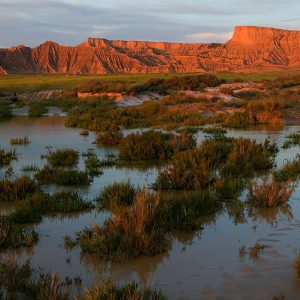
(250, 48)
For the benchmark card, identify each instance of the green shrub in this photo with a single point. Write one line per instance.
(40, 204)
(183, 211)
(269, 193)
(12, 236)
(93, 164)
(239, 120)
(130, 232)
(61, 176)
(6, 157)
(297, 265)
(292, 140)
(110, 137)
(37, 109)
(63, 158)
(130, 291)
(20, 141)
(18, 189)
(153, 145)
(289, 171)
(16, 280)
(120, 194)
(200, 167)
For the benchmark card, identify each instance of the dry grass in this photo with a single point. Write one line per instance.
(130, 232)
(270, 193)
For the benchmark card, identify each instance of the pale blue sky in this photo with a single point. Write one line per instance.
(70, 22)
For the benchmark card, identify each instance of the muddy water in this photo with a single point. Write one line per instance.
(201, 265)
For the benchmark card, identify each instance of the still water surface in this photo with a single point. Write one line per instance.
(200, 265)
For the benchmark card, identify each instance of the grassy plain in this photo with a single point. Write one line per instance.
(34, 83)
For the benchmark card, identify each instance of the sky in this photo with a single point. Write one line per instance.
(70, 22)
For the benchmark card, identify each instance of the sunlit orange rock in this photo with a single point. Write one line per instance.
(251, 48)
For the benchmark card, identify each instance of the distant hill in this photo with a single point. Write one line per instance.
(251, 48)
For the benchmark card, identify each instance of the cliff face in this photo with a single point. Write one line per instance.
(251, 48)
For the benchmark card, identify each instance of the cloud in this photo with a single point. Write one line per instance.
(69, 22)
(209, 37)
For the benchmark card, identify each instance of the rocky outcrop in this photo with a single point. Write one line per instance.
(251, 48)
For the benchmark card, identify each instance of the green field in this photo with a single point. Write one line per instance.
(34, 83)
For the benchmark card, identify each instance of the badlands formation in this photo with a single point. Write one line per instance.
(251, 48)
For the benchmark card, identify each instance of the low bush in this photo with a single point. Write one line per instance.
(216, 158)
(18, 189)
(289, 171)
(292, 140)
(154, 145)
(6, 157)
(20, 141)
(130, 291)
(110, 137)
(117, 194)
(239, 120)
(269, 193)
(12, 236)
(37, 109)
(297, 265)
(93, 164)
(183, 211)
(61, 176)
(40, 204)
(16, 280)
(130, 232)
(63, 158)
(5, 111)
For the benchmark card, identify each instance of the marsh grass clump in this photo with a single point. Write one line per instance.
(247, 156)
(62, 176)
(216, 159)
(63, 158)
(17, 189)
(154, 145)
(269, 193)
(16, 280)
(37, 109)
(239, 120)
(130, 232)
(40, 204)
(93, 164)
(229, 188)
(117, 194)
(13, 236)
(110, 137)
(279, 297)
(289, 171)
(6, 157)
(183, 211)
(13, 277)
(84, 132)
(214, 132)
(297, 265)
(60, 202)
(30, 168)
(20, 141)
(107, 289)
(292, 140)
(255, 250)
(5, 111)
(69, 244)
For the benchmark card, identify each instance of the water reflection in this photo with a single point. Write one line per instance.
(141, 268)
(273, 216)
(201, 264)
